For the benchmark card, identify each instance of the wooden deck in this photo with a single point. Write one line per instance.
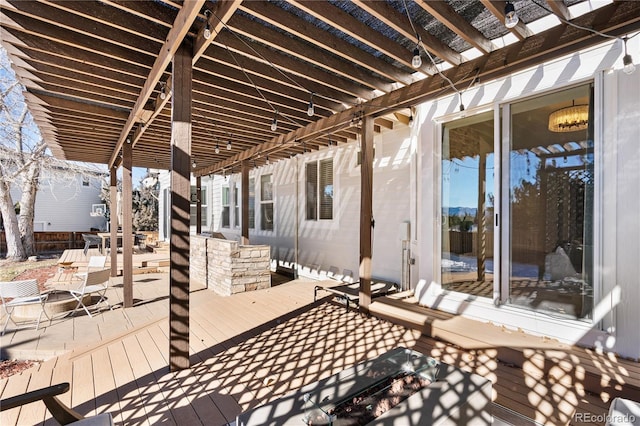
(75, 259)
(254, 347)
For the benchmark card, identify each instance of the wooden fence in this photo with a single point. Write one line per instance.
(49, 242)
(52, 242)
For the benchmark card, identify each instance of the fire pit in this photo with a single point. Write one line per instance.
(399, 387)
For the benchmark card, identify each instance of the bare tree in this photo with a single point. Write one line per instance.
(23, 161)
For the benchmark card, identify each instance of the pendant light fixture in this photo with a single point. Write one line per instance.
(569, 119)
(274, 123)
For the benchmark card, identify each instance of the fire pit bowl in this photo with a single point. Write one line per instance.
(400, 387)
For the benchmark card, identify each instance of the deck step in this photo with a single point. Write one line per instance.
(532, 354)
(141, 270)
(157, 263)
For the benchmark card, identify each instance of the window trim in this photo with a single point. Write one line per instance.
(224, 206)
(264, 203)
(203, 206)
(317, 187)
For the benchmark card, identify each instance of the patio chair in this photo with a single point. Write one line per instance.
(22, 293)
(91, 240)
(140, 241)
(96, 263)
(95, 282)
(60, 412)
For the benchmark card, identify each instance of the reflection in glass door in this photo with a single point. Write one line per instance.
(468, 205)
(549, 159)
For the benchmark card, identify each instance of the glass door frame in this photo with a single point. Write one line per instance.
(502, 138)
(436, 246)
(502, 225)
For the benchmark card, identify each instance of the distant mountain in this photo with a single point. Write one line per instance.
(459, 211)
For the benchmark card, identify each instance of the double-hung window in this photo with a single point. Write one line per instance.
(236, 206)
(193, 206)
(225, 207)
(252, 203)
(319, 189)
(266, 203)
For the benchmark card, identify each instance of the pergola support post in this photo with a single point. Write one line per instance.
(127, 229)
(180, 208)
(366, 213)
(113, 219)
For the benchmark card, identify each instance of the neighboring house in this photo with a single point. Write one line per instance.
(555, 236)
(66, 200)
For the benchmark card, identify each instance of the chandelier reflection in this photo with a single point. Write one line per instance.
(569, 119)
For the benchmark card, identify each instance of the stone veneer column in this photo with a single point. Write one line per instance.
(234, 268)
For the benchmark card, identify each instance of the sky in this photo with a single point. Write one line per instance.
(460, 182)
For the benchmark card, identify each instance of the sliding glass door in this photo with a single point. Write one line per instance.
(541, 196)
(467, 202)
(548, 155)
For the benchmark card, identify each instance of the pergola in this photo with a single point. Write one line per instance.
(211, 87)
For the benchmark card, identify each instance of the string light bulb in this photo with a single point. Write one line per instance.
(274, 122)
(416, 61)
(207, 28)
(267, 159)
(627, 60)
(194, 165)
(217, 149)
(163, 90)
(510, 16)
(310, 108)
(229, 145)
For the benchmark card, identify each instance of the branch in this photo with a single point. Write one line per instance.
(35, 155)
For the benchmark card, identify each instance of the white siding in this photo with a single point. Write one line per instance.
(621, 224)
(333, 243)
(617, 252)
(63, 204)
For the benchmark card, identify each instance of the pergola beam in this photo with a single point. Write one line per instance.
(182, 24)
(546, 45)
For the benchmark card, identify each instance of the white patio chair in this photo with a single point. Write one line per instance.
(95, 282)
(96, 263)
(21, 293)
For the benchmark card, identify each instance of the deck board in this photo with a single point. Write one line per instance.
(250, 349)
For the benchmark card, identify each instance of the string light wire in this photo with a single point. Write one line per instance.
(433, 62)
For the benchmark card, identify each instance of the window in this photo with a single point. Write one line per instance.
(194, 199)
(319, 189)
(236, 206)
(252, 203)
(226, 220)
(266, 203)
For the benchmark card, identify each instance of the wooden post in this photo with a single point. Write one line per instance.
(366, 213)
(113, 219)
(180, 208)
(127, 230)
(245, 203)
(199, 205)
